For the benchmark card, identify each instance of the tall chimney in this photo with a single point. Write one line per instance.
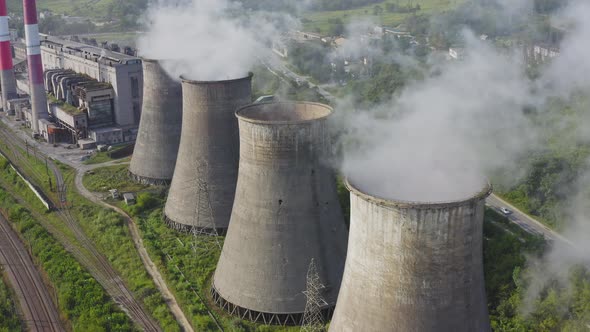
(38, 96)
(7, 79)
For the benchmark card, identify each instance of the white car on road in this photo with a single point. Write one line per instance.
(505, 211)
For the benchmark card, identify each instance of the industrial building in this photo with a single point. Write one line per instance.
(156, 148)
(286, 214)
(95, 94)
(124, 73)
(413, 266)
(83, 107)
(204, 183)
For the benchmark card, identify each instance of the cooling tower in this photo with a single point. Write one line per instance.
(286, 213)
(7, 78)
(35, 65)
(413, 267)
(156, 148)
(204, 183)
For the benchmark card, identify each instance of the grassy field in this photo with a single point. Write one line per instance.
(107, 230)
(187, 263)
(321, 21)
(115, 177)
(82, 301)
(88, 8)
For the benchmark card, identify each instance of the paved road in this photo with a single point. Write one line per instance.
(38, 310)
(525, 221)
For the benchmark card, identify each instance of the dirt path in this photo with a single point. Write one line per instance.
(137, 240)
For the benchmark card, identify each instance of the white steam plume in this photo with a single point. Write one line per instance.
(442, 137)
(209, 39)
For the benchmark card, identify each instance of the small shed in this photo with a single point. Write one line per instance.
(129, 198)
(114, 193)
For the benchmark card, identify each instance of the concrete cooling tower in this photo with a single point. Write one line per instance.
(286, 213)
(205, 176)
(413, 267)
(156, 149)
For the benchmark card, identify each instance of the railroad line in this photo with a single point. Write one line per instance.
(39, 313)
(98, 266)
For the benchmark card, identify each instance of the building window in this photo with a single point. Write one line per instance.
(136, 112)
(134, 87)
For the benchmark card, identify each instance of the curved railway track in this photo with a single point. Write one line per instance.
(38, 311)
(91, 258)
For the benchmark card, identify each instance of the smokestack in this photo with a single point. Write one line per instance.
(204, 183)
(413, 266)
(156, 148)
(7, 78)
(38, 96)
(286, 213)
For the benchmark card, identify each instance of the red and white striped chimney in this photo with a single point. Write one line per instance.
(7, 79)
(38, 96)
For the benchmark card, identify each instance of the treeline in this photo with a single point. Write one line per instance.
(127, 12)
(342, 4)
(552, 175)
(508, 275)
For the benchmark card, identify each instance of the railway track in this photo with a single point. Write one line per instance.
(38, 311)
(91, 258)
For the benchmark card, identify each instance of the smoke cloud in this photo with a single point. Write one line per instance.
(567, 75)
(441, 138)
(209, 39)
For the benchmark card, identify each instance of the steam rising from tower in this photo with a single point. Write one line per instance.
(204, 182)
(285, 214)
(38, 96)
(157, 143)
(413, 266)
(8, 81)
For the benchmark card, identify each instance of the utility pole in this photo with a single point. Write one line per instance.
(204, 239)
(313, 320)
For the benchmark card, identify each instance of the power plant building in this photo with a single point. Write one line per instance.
(286, 214)
(124, 73)
(413, 266)
(156, 148)
(88, 81)
(204, 183)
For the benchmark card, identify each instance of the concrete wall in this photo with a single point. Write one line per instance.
(156, 149)
(413, 267)
(204, 183)
(286, 213)
(73, 121)
(107, 135)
